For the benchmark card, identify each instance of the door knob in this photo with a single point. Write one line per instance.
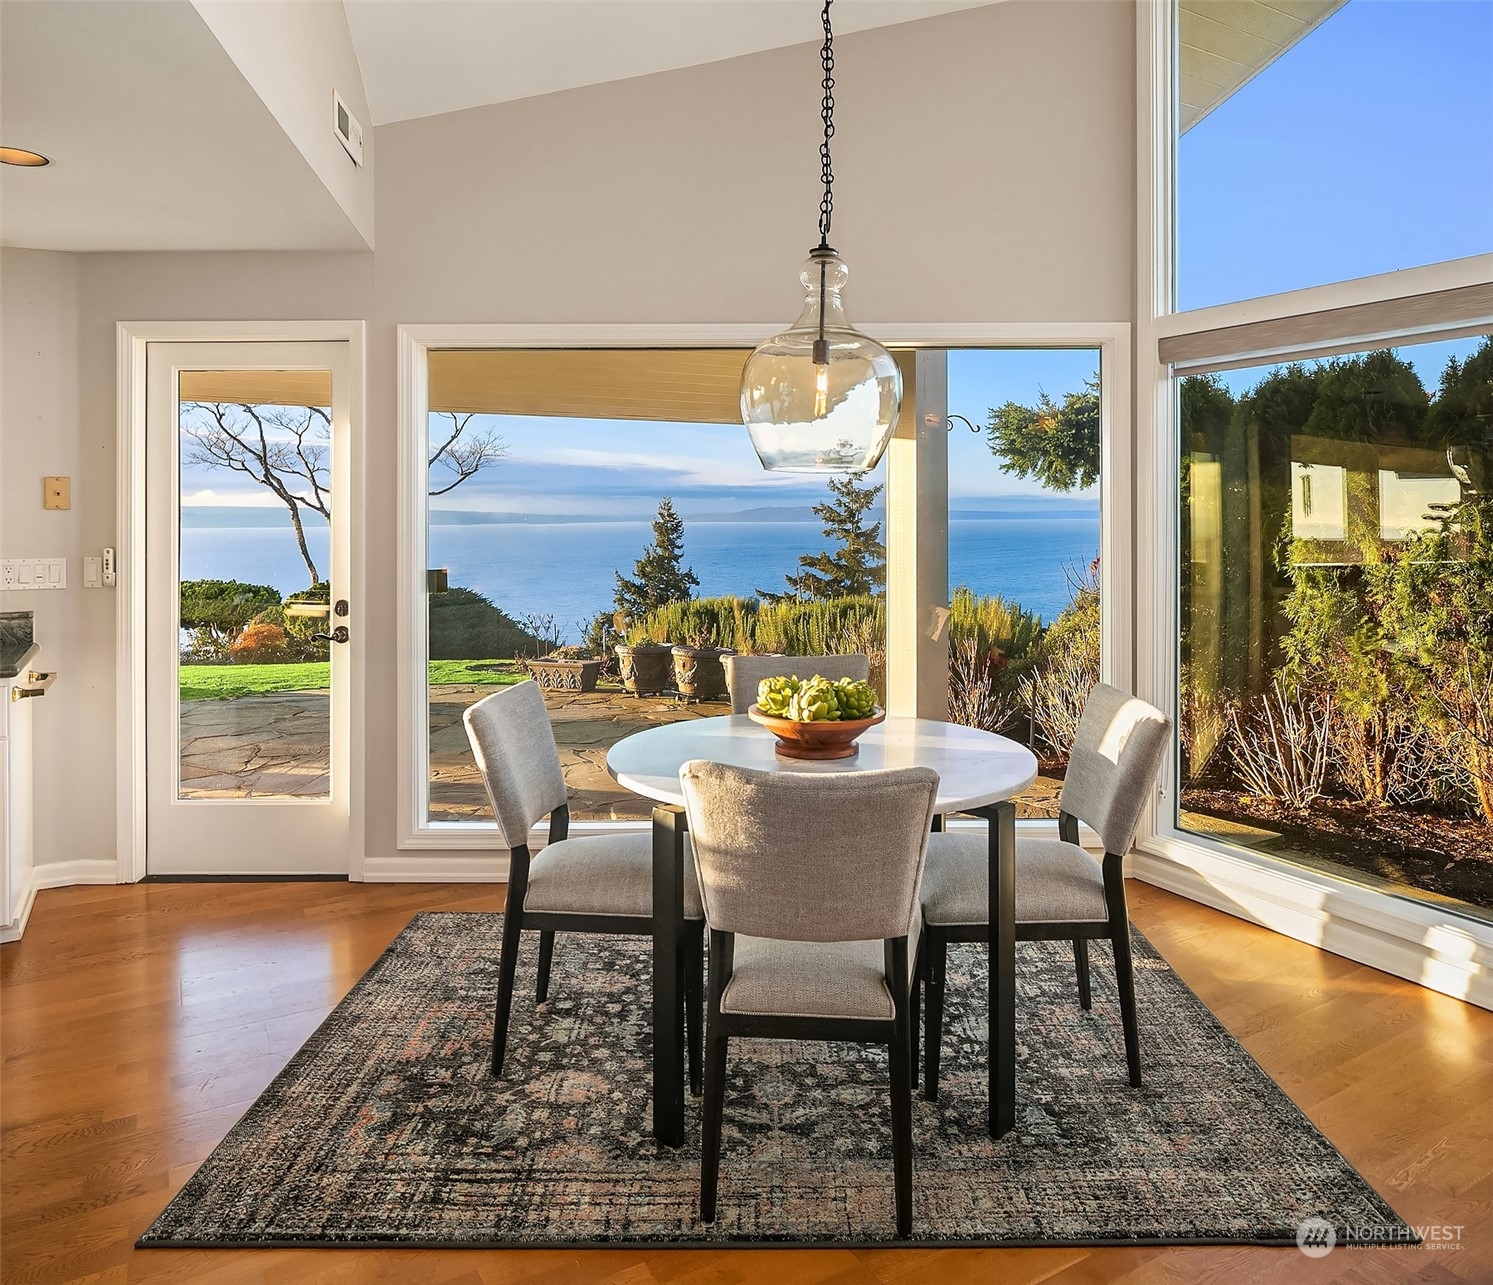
(339, 635)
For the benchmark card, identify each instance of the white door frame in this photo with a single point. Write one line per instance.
(130, 351)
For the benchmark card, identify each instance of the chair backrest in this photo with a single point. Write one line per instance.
(1116, 755)
(515, 748)
(744, 673)
(834, 856)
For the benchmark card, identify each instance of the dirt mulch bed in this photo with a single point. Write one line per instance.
(1448, 855)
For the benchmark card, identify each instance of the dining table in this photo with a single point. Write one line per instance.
(978, 773)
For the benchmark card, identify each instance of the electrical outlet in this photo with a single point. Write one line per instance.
(33, 573)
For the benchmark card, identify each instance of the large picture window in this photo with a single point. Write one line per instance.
(1336, 611)
(1322, 141)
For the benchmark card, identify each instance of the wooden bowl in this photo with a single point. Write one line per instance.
(827, 740)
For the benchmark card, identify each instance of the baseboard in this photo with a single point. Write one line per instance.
(443, 867)
(67, 874)
(13, 931)
(57, 874)
(1443, 952)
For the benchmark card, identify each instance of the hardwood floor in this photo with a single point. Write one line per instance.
(139, 1022)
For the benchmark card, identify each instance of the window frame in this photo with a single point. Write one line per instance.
(1414, 939)
(912, 468)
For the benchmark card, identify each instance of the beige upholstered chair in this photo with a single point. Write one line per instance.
(1062, 893)
(810, 889)
(596, 884)
(744, 673)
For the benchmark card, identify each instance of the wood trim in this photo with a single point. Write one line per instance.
(1449, 313)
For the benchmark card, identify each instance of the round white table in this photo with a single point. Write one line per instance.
(978, 772)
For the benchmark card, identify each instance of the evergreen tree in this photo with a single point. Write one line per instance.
(1057, 445)
(858, 566)
(660, 577)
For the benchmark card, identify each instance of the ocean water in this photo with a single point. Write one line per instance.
(567, 569)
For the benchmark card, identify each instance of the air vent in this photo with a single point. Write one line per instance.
(345, 126)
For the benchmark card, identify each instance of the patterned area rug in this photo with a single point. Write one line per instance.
(386, 1128)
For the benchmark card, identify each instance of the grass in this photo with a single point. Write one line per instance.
(228, 682)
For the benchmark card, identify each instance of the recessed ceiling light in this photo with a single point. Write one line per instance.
(20, 156)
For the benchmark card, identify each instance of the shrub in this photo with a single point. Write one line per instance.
(217, 610)
(260, 644)
(1065, 669)
(979, 694)
(993, 625)
(464, 625)
(1281, 747)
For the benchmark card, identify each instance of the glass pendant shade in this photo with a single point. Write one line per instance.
(821, 397)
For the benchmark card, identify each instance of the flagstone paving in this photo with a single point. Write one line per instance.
(258, 746)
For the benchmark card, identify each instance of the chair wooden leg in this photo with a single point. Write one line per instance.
(546, 955)
(694, 1000)
(513, 920)
(937, 951)
(900, 1056)
(715, 1106)
(1125, 983)
(1081, 962)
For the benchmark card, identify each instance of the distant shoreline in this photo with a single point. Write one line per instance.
(257, 517)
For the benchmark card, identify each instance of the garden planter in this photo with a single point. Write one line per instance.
(699, 674)
(646, 668)
(565, 675)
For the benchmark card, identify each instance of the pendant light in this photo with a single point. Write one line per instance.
(821, 397)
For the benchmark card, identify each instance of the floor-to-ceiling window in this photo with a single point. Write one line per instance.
(1322, 546)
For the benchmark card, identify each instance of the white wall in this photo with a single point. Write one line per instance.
(294, 56)
(985, 173)
(42, 433)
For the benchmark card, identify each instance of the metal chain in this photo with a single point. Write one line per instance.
(827, 113)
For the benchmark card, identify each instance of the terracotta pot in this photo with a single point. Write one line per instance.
(699, 674)
(827, 740)
(646, 668)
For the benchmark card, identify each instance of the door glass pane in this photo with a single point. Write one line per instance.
(255, 502)
(1024, 455)
(584, 499)
(1336, 657)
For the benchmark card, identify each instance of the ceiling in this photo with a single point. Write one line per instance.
(424, 57)
(1222, 44)
(158, 141)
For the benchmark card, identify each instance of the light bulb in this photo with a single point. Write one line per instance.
(821, 390)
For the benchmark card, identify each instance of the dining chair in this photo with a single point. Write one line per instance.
(1062, 893)
(809, 885)
(595, 884)
(744, 673)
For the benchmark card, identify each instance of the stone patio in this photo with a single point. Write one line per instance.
(259, 746)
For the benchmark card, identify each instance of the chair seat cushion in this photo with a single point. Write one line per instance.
(808, 979)
(603, 874)
(1056, 882)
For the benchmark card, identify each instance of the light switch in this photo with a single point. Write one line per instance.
(57, 493)
(33, 573)
(91, 572)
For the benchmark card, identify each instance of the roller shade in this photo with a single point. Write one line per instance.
(258, 387)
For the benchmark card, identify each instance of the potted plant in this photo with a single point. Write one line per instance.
(698, 672)
(644, 667)
(566, 669)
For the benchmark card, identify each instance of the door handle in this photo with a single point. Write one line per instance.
(338, 635)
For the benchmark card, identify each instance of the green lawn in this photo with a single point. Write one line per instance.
(224, 682)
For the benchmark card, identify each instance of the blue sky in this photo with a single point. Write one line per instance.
(1364, 149)
(1335, 162)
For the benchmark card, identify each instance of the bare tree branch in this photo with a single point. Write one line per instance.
(465, 456)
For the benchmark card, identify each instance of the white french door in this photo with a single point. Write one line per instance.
(249, 626)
